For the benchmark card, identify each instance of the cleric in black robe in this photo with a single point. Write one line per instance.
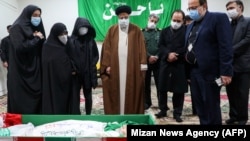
(24, 73)
(57, 72)
(85, 56)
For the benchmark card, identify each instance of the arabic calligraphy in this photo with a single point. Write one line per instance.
(109, 12)
(157, 11)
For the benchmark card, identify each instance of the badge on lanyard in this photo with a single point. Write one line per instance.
(190, 47)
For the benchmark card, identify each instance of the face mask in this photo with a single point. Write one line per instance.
(63, 39)
(83, 30)
(123, 23)
(35, 21)
(232, 13)
(194, 14)
(151, 25)
(175, 25)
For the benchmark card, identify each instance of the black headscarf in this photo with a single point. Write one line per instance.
(83, 22)
(56, 30)
(24, 20)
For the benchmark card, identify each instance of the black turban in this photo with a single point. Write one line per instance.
(123, 8)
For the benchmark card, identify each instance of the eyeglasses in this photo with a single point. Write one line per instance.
(193, 8)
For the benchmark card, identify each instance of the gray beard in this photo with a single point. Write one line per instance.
(124, 28)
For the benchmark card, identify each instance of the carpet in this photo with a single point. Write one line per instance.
(188, 118)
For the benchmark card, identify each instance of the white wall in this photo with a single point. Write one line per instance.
(8, 13)
(65, 11)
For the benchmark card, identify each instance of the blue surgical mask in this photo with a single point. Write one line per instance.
(35, 21)
(194, 14)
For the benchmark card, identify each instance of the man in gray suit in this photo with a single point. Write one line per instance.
(238, 90)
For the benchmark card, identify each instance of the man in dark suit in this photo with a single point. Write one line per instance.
(209, 54)
(238, 90)
(4, 48)
(172, 66)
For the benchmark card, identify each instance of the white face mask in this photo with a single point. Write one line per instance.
(123, 22)
(63, 39)
(83, 30)
(151, 25)
(232, 13)
(175, 25)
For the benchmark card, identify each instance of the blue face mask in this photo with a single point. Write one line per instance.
(194, 14)
(35, 21)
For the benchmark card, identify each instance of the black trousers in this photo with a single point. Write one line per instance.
(152, 68)
(88, 100)
(163, 99)
(238, 96)
(177, 101)
(87, 93)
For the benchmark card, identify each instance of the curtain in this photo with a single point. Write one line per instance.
(101, 13)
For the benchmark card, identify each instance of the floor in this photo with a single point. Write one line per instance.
(188, 118)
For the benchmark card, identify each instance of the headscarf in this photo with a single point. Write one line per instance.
(24, 20)
(83, 22)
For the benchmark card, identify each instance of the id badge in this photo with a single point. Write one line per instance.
(190, 47)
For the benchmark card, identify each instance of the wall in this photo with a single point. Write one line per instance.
(8, 13)
(53, 11)
(66, 11)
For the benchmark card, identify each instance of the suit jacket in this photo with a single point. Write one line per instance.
(172, 41)
(241, 45)
(213, 45)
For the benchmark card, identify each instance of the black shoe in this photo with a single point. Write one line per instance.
(242, 122)
(161, 115)
(194, 113)
(178, 119)
(230, 121)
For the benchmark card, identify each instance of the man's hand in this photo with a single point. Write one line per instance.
(152, 59)
(172, 56)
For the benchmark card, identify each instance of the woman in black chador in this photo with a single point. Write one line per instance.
(24, 71)
(57, 72)
(85, 56)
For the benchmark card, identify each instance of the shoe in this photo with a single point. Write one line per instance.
(161, 115)
(194, 113)
(242, 122)
(178, 119)
(230, 121)
(168, 108)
